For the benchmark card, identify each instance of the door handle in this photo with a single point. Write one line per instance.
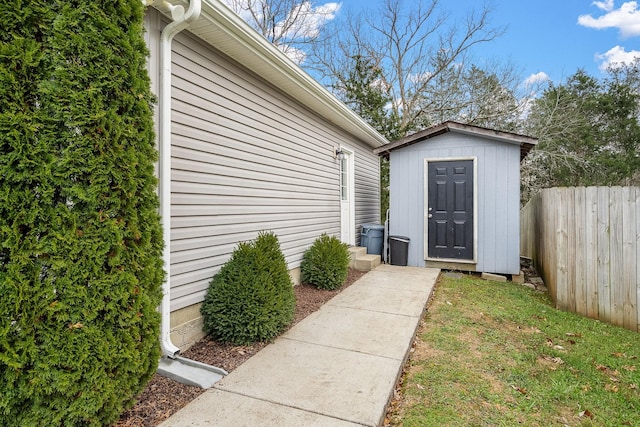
(429, 216)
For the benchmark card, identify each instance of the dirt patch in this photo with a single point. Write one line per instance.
(163, 397)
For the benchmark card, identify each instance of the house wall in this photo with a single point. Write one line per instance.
(245, 158)
(498, 197)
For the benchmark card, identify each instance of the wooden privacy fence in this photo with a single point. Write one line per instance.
(585, 243)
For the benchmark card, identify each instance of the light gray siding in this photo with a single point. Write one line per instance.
(498, 197)
(247, 158)
(367, 186)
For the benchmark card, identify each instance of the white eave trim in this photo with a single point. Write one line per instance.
(220, 27)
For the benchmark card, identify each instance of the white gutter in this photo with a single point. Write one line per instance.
(181, 20)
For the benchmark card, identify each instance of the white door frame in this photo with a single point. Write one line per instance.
(347, 197)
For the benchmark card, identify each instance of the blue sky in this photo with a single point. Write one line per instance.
(556, 37)
(544, 39)
(545, 36)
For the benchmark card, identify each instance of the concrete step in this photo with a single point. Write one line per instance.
(355, 252)
(367, 262)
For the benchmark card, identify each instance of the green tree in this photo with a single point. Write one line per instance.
(80, 237)
(364, 91)
(588, 130)
(367, 95)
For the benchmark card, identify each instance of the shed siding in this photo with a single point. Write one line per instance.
(498, 194)
(247, 158)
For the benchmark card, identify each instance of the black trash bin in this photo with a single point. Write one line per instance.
(372, 238)
(398, 250)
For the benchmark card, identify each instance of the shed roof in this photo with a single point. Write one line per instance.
(221, 28)
(526, 143)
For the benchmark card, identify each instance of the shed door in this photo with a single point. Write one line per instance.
(450, 209)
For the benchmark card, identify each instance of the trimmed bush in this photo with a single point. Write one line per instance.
(251, 298)
(80, 237)
(326, 263)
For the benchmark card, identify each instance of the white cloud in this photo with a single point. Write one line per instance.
(380, 84)
(626, 19)
(616, 56)
(606, 5)
(420, 78)
(307, 20)
(296, 55)
(536, 78)
(532, 87)
(303, 20)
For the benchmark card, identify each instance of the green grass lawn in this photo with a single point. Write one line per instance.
(500, 354)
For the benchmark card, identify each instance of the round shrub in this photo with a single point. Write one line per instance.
(326, 263)
(251, 298)
(80, 237)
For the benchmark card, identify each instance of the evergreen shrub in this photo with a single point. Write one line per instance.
(251, 298)
(80, 237)
(326, 263)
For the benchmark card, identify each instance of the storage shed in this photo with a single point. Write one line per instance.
(455, 193)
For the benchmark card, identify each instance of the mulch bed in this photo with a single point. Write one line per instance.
(163, 397)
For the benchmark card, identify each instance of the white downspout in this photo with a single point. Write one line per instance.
(181, 20)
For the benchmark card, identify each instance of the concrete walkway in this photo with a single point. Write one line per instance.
(338, 367)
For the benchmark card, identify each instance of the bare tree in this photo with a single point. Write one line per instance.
(421, 51)
(489, 97)
(291, 25)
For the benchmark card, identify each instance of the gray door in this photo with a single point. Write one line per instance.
(450, 210)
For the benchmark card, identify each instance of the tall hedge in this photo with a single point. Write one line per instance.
(80, 236)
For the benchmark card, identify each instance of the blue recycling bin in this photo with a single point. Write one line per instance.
(372, 238)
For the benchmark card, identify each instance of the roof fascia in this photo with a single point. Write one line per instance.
(525, 142)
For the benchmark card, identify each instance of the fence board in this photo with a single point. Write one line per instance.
(551, 260)
(562, 254)
(615, 253)
(637, 207)
(629, 258)
(570, 230)
(585, 243)
(604, 279)
(591, 251)
(577, 252)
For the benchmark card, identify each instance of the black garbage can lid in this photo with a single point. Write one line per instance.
(400, 238)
